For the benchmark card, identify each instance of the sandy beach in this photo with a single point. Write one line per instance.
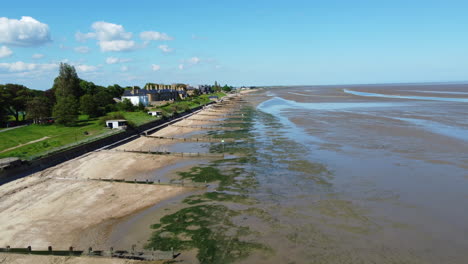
(61, 207)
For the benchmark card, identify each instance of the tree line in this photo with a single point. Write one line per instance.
(68, 97)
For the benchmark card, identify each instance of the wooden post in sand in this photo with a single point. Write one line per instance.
(50, 250)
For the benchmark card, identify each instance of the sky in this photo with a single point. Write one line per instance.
(238, 42)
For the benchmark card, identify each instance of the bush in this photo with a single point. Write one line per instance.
(126, 105)
(141, 107)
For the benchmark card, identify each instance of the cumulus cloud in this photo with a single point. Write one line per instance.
(181, 66)
(114, 60)
(82, 49)
(5, 52)
(20, 66)
(117, 45)
(154, 35)
(86, 68)
(165, 48)
(24, 32)
(124, 68)
(155, 67)
(111, 37)
(37, 56)
(107, 31)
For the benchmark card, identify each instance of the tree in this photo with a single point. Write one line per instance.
(88, 87)
(15, 97)
(66, 110)
(37, 109)
(89, 106)
(3, 112)
(67, 83)
(67, 91)
(126, 105)
(141, 107)
(115, 90)
(216, 87)
(227, 88)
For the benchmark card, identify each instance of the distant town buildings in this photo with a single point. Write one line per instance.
(155, 94)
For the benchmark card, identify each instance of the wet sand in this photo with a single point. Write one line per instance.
(397, 177)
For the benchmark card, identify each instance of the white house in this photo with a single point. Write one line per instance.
(117, 124)
(136, 96)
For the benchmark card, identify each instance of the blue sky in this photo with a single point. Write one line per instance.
(235, 42)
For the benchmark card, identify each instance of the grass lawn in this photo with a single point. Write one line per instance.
(139, 118)
(57, 136)
(49, 138)
(181, 106)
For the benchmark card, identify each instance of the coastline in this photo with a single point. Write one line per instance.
(57, 205)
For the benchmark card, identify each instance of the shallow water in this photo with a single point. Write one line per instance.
(340, 178)
(397, 184)
(465, 100)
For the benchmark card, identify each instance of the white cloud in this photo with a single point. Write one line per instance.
(111, 37)
(165, 48)
(20, 66)
(114, 60)
(5, 52)
(124, 68)
(37, 56)
(194, 60)
(117, 45)
(155, 67)
(24, 32)
(82, 37)
(86, 68)
(153, 35)
(82, 49)
(107, 31)
(181, 66)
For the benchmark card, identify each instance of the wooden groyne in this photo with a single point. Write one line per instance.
(203, 139)
(147, 255)
(211, 127)
(235, 112)
(215, 121)
(178, 154)
(178, 183)
(223, 116)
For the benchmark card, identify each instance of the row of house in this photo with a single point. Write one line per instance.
(155, 94)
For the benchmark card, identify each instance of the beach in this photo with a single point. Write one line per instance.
(316, 174)
(62, 206)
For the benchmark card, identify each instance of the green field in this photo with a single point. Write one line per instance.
(58, 136)
(18, 140)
